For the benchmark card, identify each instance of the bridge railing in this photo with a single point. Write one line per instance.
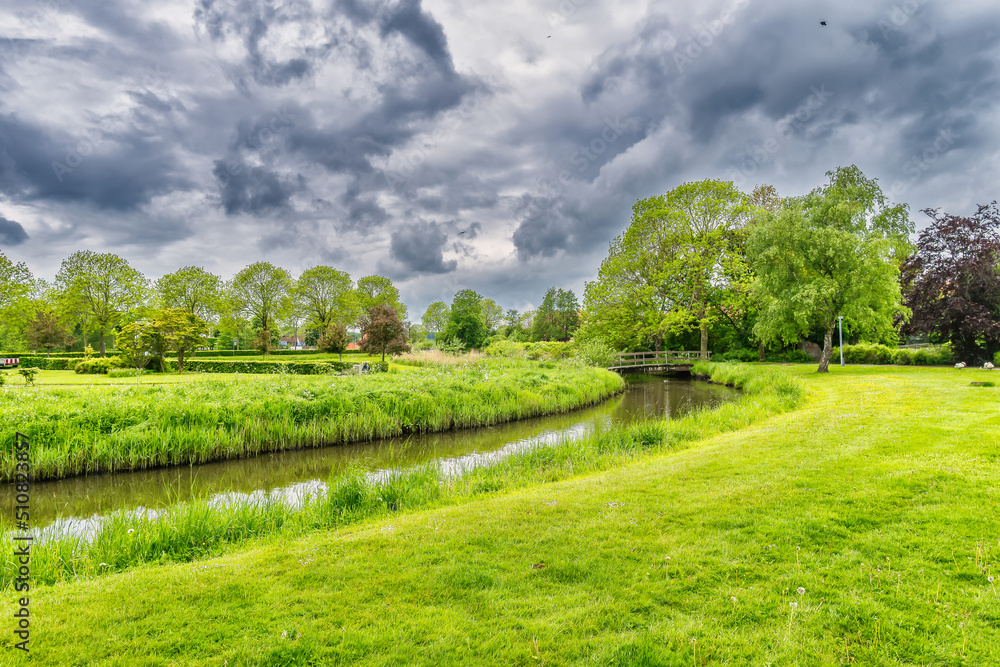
(665, 358)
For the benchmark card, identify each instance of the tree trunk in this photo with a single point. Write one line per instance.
(704, 340)
(760, 352)
(180, 360)
(824, 362)
(103, 352)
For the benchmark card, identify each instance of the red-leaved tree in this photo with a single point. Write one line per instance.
(952, 285)
(382, 331)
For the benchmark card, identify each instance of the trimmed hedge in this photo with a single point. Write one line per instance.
(291, 367)
(48, 363)
(273, 353)
(68, 355)
(868, 353)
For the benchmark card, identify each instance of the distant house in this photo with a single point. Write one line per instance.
(353, 346)
(292, 343)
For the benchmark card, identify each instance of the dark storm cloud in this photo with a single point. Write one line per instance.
(926, 76)
(119, 171)
(419, 248)
(11, 233)
(254, 190)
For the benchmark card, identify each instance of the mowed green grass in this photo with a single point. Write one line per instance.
(878, 497)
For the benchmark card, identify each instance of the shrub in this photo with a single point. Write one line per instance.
(98, 366)
(868, 353)
(125, 372)
(597, 353)
(29, 375)
(738, 355)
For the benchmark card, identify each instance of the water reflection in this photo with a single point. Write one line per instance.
(303, 471)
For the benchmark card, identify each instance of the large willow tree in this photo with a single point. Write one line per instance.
(669, 271)
(836, 251)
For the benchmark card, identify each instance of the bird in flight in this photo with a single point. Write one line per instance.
(462, 232)
(822, 22)
(549, 37)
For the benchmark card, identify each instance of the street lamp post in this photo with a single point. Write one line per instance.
(841, 318)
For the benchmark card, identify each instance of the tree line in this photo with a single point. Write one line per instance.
(101, 294)
(754, 270)
(703, 266)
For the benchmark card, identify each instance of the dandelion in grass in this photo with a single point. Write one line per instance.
(800, 590)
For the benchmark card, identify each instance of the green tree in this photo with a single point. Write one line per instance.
(465, 322)
(492, 315)
(558, 317)
(665, 274)
(334, 339)
(377, 291)
(436, 317)
(262, 293)
(16, 288)
(383, 332)
(326, 295)
(193, 289)
(180, 330)
(47, 331)
(102, 285)
(835, 251)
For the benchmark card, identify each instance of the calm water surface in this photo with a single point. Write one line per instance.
(293, 473)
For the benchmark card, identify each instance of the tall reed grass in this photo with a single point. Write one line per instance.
(192, 530)
(93, 429)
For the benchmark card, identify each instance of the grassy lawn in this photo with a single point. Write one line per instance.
(859, 528)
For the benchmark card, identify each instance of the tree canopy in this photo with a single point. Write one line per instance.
(666, 272)
(326, 295)
(558, 317)
(103, 285)
(952, 284)
(436, 316)
(262, 292)
(465, 323)
(376, 291)
(383, 332)
(193, 289)
(833, 252)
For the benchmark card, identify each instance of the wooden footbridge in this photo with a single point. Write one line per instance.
(652, 362)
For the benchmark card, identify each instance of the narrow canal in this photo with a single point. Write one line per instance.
(81, 498)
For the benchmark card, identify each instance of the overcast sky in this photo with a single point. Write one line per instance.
(368, 135)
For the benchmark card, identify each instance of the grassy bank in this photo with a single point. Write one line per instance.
(132, 426)
(196, 530)
(873, 507)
